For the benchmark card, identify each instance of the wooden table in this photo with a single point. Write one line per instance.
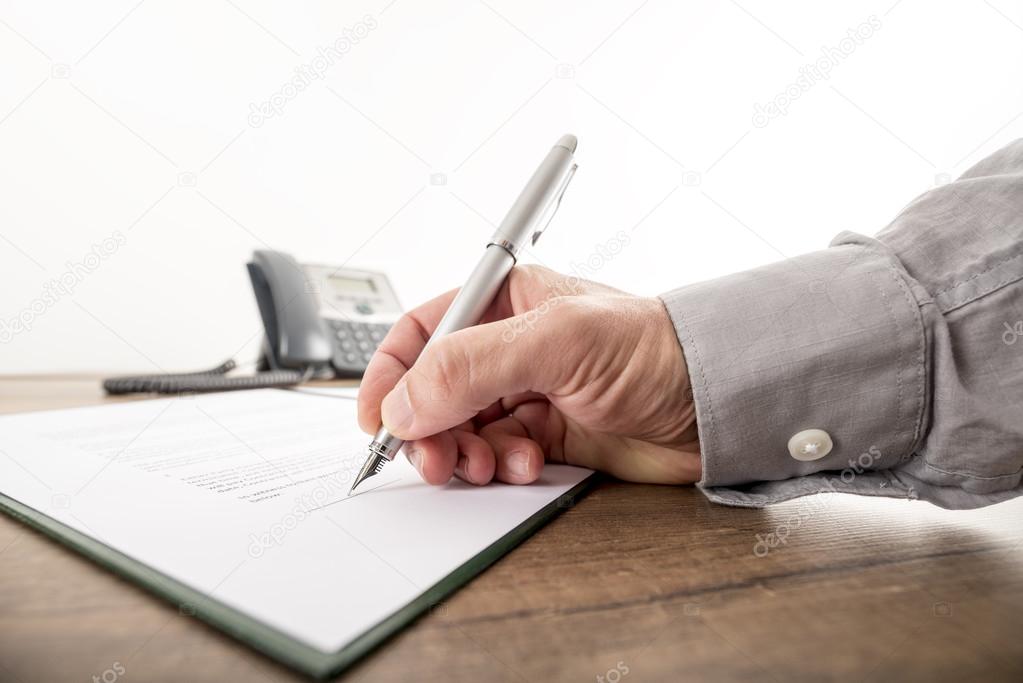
(633, 583)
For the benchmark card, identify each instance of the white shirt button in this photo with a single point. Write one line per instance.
(810, 444)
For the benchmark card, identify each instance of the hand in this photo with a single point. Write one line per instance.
(559, 368)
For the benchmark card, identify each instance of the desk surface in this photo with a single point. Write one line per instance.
(633, 583)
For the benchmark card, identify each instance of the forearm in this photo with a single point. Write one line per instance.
(892, 346)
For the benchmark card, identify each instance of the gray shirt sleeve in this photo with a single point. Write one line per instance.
(905, 349)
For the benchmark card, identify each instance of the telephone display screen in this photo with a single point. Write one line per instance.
(353, 286)
(350, 294)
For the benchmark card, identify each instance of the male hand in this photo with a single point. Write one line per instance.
(559, 368)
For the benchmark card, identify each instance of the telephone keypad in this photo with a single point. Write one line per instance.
(356, 342)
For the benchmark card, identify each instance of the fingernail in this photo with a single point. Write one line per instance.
(415, 456)
(463, 468)
(396, 410)
(517, 463)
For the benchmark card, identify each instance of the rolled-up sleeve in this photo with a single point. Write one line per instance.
(884, 366)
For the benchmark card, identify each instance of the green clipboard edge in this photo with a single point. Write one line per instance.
(267, 639)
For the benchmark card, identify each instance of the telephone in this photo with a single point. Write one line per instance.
(330, 319)
(319, 321)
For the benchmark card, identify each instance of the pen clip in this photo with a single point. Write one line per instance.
(555, 204)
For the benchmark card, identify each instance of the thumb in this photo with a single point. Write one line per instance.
(462, 373)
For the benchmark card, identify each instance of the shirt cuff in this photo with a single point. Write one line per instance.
(833, 341)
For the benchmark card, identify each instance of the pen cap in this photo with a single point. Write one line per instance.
(535, 205)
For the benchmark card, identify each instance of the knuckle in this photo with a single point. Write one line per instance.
(403, 321)
(581, 322)
(533, 272)
(530, 284)
(576, 314)
(405, 326)
(448, 367)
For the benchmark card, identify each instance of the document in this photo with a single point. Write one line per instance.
(237, 504)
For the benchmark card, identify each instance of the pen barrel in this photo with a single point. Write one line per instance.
(537, 198)
(468, 307)
(479, 291)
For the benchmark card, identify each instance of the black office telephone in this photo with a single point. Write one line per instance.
(320, 321)
(330, 319)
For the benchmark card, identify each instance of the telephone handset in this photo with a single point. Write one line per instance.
(319, 322)
(295, 335)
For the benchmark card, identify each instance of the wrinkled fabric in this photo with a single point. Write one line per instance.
(907, 348)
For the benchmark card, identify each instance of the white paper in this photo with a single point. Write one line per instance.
(243, 496)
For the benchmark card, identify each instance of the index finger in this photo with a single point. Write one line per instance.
(396, 354)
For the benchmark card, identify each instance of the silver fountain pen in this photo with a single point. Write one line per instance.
(528, 217)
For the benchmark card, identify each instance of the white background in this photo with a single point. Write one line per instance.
(133, 117)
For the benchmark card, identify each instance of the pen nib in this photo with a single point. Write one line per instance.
(374, 463)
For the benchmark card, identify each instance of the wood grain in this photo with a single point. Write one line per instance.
(632, 583)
